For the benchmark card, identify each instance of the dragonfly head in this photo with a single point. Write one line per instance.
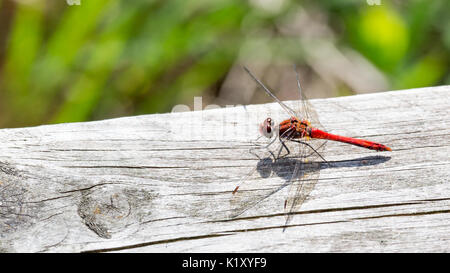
(266, 128)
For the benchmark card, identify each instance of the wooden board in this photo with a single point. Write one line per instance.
(163, 183)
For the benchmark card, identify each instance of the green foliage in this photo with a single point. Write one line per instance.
(382, 35)
(104, 58)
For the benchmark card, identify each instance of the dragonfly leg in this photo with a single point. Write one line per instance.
(256, 144)
(283, 145)
(262, 147)
(307, 144)
(286, 135)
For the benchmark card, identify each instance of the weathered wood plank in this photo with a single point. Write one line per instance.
(163, 182)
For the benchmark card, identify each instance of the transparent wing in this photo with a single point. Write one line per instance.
(306, 111)
(260, 183)
(303, 180)
(284, 106)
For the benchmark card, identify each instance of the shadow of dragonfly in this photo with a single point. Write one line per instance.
(299, 175)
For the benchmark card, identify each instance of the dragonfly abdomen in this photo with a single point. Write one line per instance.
(316, 133)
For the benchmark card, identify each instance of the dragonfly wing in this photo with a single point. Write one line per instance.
(267, 90)
(306, 111)
(304, 175)
(303, 181)
(258, 184)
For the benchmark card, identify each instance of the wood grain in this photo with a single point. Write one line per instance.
(163, 183)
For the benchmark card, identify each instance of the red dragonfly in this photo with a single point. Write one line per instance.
(301, 128)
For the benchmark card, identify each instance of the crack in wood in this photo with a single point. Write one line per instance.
(367, 207)
(127, 167)
(403, 214)
(179, 239)
(49, 199)
(88, 188)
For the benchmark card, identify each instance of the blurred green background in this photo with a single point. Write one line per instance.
(103, 59)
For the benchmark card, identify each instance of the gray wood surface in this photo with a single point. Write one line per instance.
(163, 183)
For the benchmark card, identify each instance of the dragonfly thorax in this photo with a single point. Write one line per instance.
(294, 128)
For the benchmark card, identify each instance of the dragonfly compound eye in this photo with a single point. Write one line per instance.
(266, 128)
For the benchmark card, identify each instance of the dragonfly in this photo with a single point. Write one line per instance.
(300, 172)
